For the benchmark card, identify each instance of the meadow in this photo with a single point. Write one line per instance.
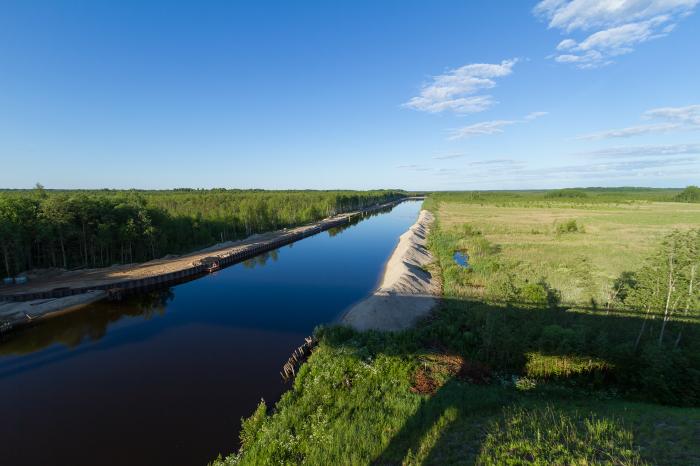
(560, 343)
(578, 247)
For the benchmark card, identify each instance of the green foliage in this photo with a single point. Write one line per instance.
(570, 226)
(566, 367)
(666, 286)
(503, 287)
(70, 229)
(252, 426)
(547, 436)
(540, 293)
(568, 193)
(623, 285)
(352, 403)
(689, 194)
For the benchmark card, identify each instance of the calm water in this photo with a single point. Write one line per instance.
(461, 258)
(164, 378)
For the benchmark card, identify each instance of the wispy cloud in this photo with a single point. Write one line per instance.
(615, 169)
(485, 127)
(689, 115)
(631, 131)
(619, 26)
(449, 156)
(491, 127)
(446, 171)
(414, 167)
(675, 119)
(456, 90)
(499, 162)
(534, 115)
(636, 170)
(645, 151)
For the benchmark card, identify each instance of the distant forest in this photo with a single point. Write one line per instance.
(71, 229)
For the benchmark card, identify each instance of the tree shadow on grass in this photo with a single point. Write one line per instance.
(571, 352)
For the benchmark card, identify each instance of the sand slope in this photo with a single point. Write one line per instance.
(407, 291)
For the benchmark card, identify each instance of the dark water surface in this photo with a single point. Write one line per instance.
(164, 378)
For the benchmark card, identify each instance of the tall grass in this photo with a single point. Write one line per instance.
(546, 436)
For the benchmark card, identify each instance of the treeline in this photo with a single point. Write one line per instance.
(689, 194)
(71, 229)
(575, 195)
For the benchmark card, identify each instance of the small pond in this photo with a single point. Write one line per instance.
(462, 259)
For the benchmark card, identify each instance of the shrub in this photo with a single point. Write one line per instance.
(250, 427)
(689, 194)
(557, 338)
(570, 226)
(502, 287)
(540, 293)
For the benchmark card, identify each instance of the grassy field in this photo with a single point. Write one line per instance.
(522, 363)
(532, 238)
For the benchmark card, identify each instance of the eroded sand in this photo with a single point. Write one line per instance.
(407, 291)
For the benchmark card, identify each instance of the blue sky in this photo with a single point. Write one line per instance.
(362, 94)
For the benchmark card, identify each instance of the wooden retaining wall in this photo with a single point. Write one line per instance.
(192, 272)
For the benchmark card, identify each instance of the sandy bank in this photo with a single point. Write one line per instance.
(407, 291)
(17, 314)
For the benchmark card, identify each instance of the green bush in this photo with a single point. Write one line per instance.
(557, 338)
(570, 226)
(540, 293)
(502, 287)
(251, 427)
(689, 194)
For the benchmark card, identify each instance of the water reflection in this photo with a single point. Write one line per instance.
(462, 259)
(261, 259)
(357, 219)
(184, 377)
(86, 325)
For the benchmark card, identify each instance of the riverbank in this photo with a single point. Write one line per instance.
(407, 291)
(501, 370)
(12, 313)
(190, 346)
(63, 289)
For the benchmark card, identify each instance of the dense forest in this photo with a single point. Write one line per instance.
(71, 229)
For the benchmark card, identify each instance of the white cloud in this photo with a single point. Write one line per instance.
(448, 156)
(631, 131)
(491, 127)
(485, 127)
(676, 119)
(618, 26)
(689, 115)
(455, 89)
(534, 115)
(495, 162)
(414, 167)
(645, 151)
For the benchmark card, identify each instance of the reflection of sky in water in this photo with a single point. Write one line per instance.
(462, 259)
(212, 347)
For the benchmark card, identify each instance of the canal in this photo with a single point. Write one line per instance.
(164, 378)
